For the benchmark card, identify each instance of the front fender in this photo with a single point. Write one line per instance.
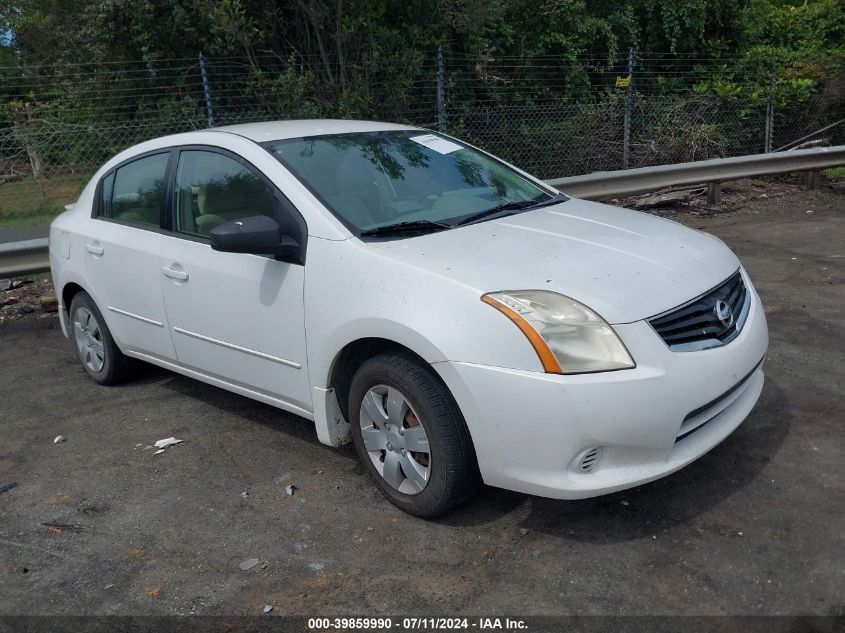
(354, 291)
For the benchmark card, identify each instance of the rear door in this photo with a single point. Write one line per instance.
(122, 254)
(234, 316)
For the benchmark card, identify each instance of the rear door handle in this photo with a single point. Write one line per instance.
(94, 249)
(181, 275)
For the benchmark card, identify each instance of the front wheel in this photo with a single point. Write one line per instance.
(411, 436)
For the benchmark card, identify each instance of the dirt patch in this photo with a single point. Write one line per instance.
(746, 197)
(23, 300)
(97, 525)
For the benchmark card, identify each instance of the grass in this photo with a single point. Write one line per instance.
(835, 174)
(28, 202)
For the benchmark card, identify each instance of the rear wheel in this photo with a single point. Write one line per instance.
(411, 436)
(99, 355)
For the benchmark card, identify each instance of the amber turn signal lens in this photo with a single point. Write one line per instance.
(547, 358)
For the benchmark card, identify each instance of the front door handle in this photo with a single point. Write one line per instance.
(181, 275)
(94, 248)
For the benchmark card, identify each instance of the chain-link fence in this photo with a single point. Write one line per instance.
(551, 116)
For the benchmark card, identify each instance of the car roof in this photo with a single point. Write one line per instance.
(278, 130)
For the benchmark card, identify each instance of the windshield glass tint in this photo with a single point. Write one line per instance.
(377, 179)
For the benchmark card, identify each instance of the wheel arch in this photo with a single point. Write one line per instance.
(69, 291)
(72, 287)
(352, 356)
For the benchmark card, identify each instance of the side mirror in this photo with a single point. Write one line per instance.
(258, 235)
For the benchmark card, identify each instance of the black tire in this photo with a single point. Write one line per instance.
(116, 367)
(453, 474)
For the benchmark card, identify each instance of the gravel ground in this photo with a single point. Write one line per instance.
(99, 524)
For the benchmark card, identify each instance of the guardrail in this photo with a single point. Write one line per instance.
(602, 185)
(25, 258)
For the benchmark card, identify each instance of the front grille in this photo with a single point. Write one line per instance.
(711, 320)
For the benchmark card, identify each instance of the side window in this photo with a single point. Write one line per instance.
(212, 189)
(135, 192)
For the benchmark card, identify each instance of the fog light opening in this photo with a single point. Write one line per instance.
(589, 459)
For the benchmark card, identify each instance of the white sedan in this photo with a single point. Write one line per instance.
(456, 318)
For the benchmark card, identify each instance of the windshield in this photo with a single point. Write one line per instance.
(375, 180)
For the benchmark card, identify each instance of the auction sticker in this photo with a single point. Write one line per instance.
(439, 145)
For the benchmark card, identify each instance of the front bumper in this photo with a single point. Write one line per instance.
(529, 429)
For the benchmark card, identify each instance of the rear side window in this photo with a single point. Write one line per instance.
(134, 193)
(212, 189)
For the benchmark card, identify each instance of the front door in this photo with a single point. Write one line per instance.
(236, 317)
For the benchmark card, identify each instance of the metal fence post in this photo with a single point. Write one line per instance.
(714, 194)
(770, 118)
(206, 89)
(441, 92)
(629, 101)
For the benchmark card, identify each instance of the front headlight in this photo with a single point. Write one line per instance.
(568, 337)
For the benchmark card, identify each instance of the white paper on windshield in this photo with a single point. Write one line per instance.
(439, 145)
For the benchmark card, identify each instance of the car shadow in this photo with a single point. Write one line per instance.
(651, 508)
(239, 406)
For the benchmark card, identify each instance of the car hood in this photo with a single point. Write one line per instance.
(624, 264)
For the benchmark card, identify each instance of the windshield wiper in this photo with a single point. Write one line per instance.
(415, 226)
(516, 205)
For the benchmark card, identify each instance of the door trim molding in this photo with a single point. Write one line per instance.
(223, 384)
(135, 316)
(238, 348)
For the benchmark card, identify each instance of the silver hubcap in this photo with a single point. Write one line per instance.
(89, 341)
(395, 439)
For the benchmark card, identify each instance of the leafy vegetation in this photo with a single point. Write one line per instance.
(80, 80)
(835, 174)
(342, 55)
